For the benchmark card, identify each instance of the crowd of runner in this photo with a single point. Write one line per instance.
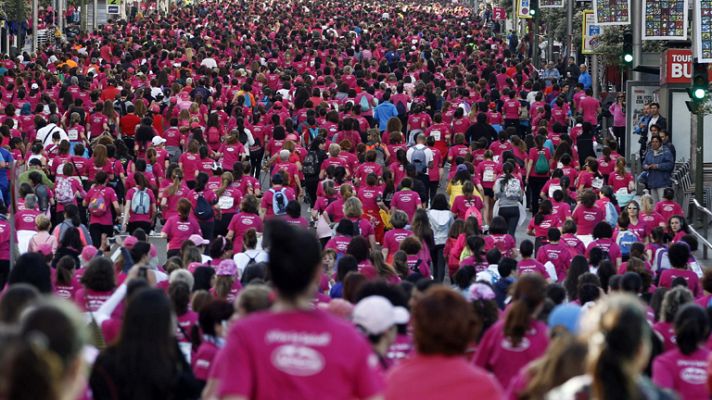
(335, 199)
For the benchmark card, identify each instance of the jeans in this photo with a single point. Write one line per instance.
(511, 215)
(657, 194)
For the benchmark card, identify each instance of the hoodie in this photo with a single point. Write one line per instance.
(440, 222)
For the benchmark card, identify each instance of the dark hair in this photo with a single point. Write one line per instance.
(359, 248)
(146, 351)
(32, 269)
(678, 254)
(588, 292)
(528, 294)
(294, 209)
(556, 293)
(99, 275)
(202, 277)
(579, 266)
(179, 293)
(294, 260)
(602, 230)
(498, 226)
(443, 323)
(212, 314)
(526, 248)
(139, 250)
(65, 268)
(632, 283)
(464, 276)
(692, 327)
(440, 202)
(506, 266)
(15, 300)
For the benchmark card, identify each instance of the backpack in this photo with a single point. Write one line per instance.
(203, 210)
(310, 166)
(97, 205)
(611, 214)
(512, 190)
(251, 260)
(419, 160)
(357, 228)
(402, 109)
(473, 211)
(248, 100)
(661, 260)
(64, 192)
(279, 201)
(625, 240)
(380, 154)
(42, 194)
(542, 165)
(364, 103)
(243, 137)
(140, 202)
(313, 132)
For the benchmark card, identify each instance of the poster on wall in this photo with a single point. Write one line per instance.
(665, 20)
(523, 10)
(637, 95)
(703, 30)
(612, 12)
(551, 4)
(590, 34)
(499, 13)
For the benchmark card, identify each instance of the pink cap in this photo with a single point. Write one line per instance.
(193, 266)
(194, 125)
(130, 241)
(219, 104)
(88, 252)
(155, 108)
(277, 104)
(226, 268)
(174, 100)
(198, 240)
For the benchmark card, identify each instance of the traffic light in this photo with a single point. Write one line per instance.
(627, 56)
(700, 83)
(533, 7)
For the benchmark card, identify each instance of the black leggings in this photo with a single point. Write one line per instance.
(511, 215)
(534, 186)
(4, 272)
(132, 226)
(96, 230)
(256, 162)
(619, 133)
(220, 226)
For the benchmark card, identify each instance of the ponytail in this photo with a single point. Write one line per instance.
(35, 372)
(226, 181)
(223, 285)
(528, 294)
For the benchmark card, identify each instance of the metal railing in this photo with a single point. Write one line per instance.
(705, 217)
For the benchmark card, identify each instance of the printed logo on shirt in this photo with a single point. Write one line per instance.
(182, 227)
(297, 360)
(694, 374)
(589, 216)
(524, 345)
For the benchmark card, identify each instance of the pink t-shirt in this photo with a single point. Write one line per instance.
(587, 218)
(179, 231)
(505, 243)
(268, 195)
(668, 208)
(531, 265)
(684, 374)
(669, 275)
(190, 162)
(241, 223)
(338, 243)
(297, 355)
(407, 201)
(461, 204)
(608, 246)
(667, 331)
(186, 322)
(90, 300)
(369, 196)
(393, 238)
(134, 217)
(109, 198)
(203, 359)
(559, 255)
(25, 220)
(498, 355)
(412, 380)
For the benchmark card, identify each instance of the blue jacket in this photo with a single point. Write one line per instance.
(659, 177)
(383, 112)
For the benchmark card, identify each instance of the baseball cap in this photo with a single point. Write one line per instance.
(198, 240)
(461, 168)
(226, 267)
(88, 252)
(34, 86)
(566, 316)
(130, 241)
(157, 140)
(375, 315)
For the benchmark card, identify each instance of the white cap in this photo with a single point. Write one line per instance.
(157, 140)
(375, 315)
(34, 86)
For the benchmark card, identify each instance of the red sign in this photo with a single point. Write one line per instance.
(498, 13)
(677, 67)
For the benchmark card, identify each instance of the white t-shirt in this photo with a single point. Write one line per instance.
(242, 259)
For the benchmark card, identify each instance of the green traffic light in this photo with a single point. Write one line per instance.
(699, 93)
(532, 12)
(628, 58)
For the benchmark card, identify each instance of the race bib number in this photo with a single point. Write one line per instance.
(597, 183)
(73, 134)
(226, 202)
(488, 175)
(495, 158)
(436, 135)
(553, 188)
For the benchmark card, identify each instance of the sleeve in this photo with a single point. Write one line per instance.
(236, 358)
(667, 164)
(662, 375)
(168, 226)
(367, 382)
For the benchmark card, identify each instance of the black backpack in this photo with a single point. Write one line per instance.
(42, 194)
(310, 167)
(203, 209)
